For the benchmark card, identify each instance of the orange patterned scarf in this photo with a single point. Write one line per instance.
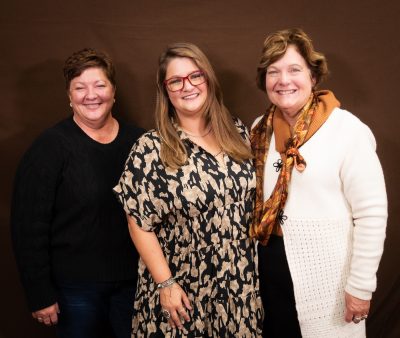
(268, 215)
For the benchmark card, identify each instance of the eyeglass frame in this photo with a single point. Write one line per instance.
(183, 78)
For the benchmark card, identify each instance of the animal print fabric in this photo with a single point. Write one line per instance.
(201, 214)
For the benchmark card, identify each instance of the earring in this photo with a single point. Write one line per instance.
(70, 104)
(114, 100)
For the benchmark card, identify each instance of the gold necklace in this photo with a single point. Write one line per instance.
(219, 153)
(191, 135)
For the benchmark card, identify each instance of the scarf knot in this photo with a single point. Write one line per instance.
(268, 215)
(299, 162)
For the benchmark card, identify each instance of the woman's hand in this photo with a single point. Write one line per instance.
(356, 309)
(48, 315)
(174, 300)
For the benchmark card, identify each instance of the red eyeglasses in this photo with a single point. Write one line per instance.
(177, 83)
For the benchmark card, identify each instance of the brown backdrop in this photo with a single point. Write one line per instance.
(359, 38)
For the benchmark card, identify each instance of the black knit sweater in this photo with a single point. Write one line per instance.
(66, 223)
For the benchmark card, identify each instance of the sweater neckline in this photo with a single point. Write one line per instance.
(93, 141)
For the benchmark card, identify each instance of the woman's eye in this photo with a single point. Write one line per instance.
(196, 75)
(272, 72)
(174, 81)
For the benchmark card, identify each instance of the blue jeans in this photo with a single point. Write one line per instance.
(95, 309)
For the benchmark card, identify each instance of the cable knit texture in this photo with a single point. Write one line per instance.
(336, 220)
(66, 224)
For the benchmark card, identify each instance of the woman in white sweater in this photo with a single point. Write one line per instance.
(321, 205)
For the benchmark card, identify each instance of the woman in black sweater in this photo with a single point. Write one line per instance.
(77, 263)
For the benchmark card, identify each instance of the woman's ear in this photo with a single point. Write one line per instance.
(69, 98)
(313, 81)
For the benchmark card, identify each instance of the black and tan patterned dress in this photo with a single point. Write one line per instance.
(201, 215)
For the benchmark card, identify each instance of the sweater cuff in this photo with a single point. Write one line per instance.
(361, 294)
(40, 294)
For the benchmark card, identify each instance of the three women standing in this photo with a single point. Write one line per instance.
(188, 188)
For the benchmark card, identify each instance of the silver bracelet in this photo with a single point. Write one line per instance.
(166, 283)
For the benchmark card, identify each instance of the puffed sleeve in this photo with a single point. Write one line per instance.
(364, 188)
(32, 207)
(142, 188)
(242, 129)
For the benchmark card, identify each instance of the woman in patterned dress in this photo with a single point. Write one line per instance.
(188, 190)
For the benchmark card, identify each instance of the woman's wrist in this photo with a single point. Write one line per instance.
(166, 283)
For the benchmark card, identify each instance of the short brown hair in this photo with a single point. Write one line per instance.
(87, 58)
(275, 46)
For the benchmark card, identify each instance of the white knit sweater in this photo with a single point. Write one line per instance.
(336, 221)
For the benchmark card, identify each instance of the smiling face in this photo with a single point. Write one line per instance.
(92, 97)
(190, 100)
(289, 83)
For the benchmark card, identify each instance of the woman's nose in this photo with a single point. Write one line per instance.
(284, 78)
(91, 92)
(187, 85)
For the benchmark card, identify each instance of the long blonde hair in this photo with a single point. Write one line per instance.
(173, 152)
